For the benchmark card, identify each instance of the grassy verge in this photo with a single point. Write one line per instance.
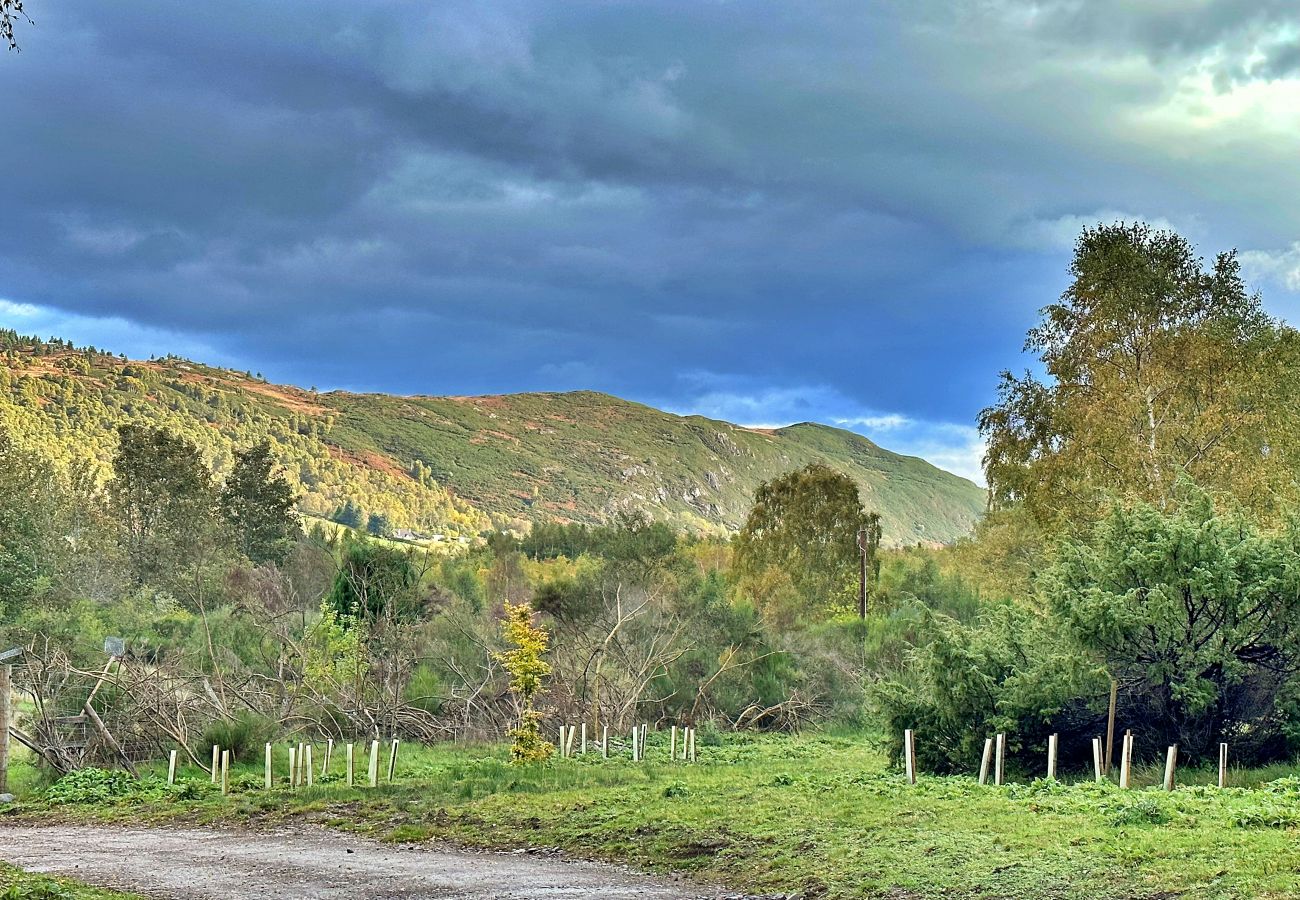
(817, 814)
(16, 884)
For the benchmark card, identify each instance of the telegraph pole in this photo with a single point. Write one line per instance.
(862, 574)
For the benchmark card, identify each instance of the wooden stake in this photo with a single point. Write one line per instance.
(583, 746)
(171, 767)
(909, 755)
(374, 763)
(564, 731)
(309, 767)
(270, 774)
(1098, 757)
(216, 763)
(293, 767)
(692, 745)
(1171, 761)
(392, 762)
(985, 759)
(604, 742)
(672, 744)
(6, 721)
(302, 755)
(1051, 757)
(999, 765)
(1110, 725)
(1126, 760)
(1223, 765)
(225, 771)
(351, 757)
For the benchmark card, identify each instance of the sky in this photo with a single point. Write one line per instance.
(844, 212)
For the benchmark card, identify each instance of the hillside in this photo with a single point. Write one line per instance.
(456, 465)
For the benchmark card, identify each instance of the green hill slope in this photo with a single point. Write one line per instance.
(455, 465)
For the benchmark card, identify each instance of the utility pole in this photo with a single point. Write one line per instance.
(862, 574)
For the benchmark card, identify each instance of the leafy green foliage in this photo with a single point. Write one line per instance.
(1159, 368)
(374, 581)
(1194, 611)
(805, 525)
(260, 506)
(526, 663)
(165, 499)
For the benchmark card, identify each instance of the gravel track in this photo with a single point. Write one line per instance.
(211, 864)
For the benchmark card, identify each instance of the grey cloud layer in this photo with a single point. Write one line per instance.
(863, 198)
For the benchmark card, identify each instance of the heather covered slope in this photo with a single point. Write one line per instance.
(454, 465)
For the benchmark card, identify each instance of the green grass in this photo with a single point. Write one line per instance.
(16, 884)
(818, 814)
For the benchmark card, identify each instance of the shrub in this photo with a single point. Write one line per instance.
(244, 735)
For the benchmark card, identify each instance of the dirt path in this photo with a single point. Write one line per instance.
(208, 864)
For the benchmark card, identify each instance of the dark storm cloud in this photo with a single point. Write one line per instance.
(711, 205)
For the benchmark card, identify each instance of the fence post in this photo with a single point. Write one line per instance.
(1000, 763)
(1171, 762)
(985, 759)
(1110, 725)
(1223, 765)
(1051, 756)
(6, 719)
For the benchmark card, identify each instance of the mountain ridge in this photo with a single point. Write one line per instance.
(456, 464)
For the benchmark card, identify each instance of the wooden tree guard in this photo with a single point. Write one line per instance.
(1126, 761)
(1223, 765)
(1171, 762)
(1051, 756)
(293, 767)
(270, 774)
(1000, 762)
(582, 747)
(374, 763)
(216, 763)
(351, 758)
(1098, 766)
(672, 743)
(171, 767)
(985, 759)
(604, 742)
(225, 771)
